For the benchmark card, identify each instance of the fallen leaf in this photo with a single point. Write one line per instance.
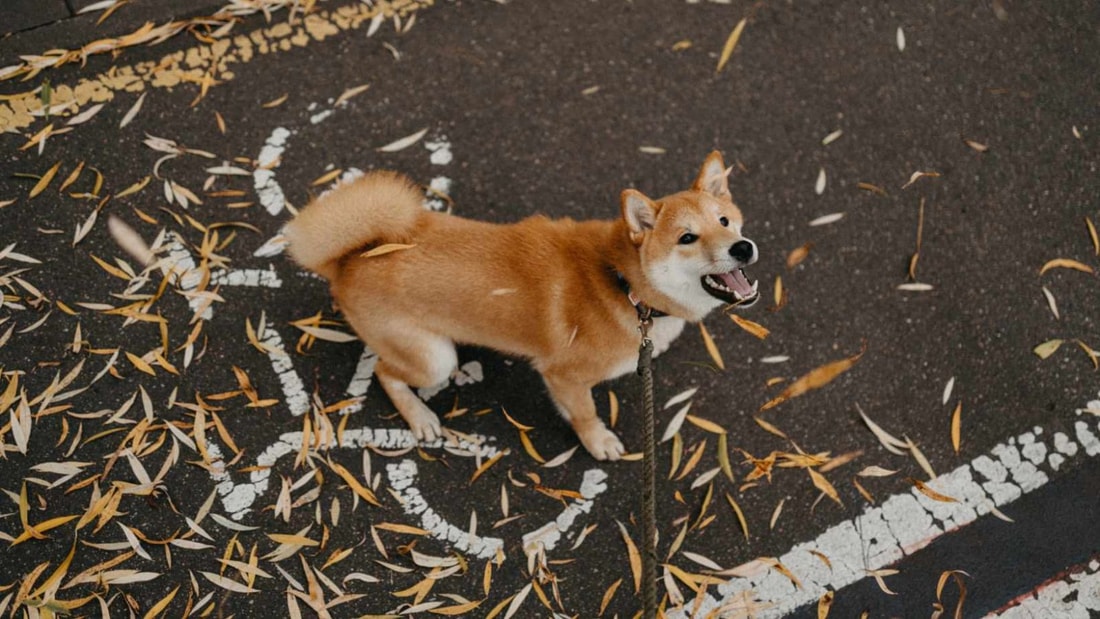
(634, 557)
(1065, 263)
(900, 39)
(1047, 348)
(832, 137)
(1093, 236)
(404, 142)
(956, 427)
(275, 102)
(875, 471)
(1051, 303)
(978, 146)
(349, 93)
(815, 379)
(929, 492)
(712, 349)
(827, 219)
(610, 593)
(731, 43)
(798, 254)
(824, 603)
(757, 330)
(819, 185)
(44, 181)
(919, 175)
(134, 109)
(823, 484)
(740, 516)
(387, 248)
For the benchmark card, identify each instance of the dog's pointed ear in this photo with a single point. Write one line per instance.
(639, 212)
(712, 177)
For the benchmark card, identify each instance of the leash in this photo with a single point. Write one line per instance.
(649, 467)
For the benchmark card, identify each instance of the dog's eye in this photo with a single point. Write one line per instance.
(688, 238)
(724, 221)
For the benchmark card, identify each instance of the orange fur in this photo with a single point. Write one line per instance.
(542, 289)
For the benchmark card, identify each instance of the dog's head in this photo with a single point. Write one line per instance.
(690, 243)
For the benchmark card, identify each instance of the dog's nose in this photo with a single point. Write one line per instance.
(743, 251)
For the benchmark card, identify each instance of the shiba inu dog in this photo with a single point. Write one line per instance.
(564, 294)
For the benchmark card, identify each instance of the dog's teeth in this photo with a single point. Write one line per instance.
(755, 286)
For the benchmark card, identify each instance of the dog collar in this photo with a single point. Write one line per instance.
(645, 312)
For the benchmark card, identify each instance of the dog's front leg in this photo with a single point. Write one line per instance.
(574, 402)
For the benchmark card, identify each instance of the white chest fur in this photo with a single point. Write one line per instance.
(664, 330)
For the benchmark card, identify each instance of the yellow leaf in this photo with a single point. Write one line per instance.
(457, 610)
(276, 102)
(634, 556)
(930, 493)
(485, 466)
(44, 182)
(327, 177)
(613, 405)
(610, 593)
(1065, 263)
(823, 485)
(519, 426)
(711, 348)
(354, 484)
(770, 428)
(158, 608)
(798, 254)
(956, 427)
(824, 603)
(1092, 235)
(530, 448)
(294, 540)
(724, 456)
(758, 330)
(140, 364)
(706, 424)
(1047, 348)
(817, 378)
(740, 515)
(731, 43)
(400, 528)
(387, 248)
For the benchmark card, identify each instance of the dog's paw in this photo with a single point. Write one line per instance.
(424, 425)
(603, 444)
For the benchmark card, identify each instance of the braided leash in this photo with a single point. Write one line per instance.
(649, 466)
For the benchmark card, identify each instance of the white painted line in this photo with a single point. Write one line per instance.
(297, 400)
(266, 278)
(1075, 596)
(547, 536)
(402, 475)
(902, 525)
(238, 497)
(263, 177)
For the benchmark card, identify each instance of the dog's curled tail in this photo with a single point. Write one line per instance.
(381, 207)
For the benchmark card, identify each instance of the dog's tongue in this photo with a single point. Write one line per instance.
(735, 280)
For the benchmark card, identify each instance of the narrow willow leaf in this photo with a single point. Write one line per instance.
(731, 43)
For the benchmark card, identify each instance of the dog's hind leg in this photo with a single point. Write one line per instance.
(574, 402)
(419, 360)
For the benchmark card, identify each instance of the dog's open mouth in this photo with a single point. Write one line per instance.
(733, 287)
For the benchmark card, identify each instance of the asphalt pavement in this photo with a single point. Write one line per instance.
(188, 428)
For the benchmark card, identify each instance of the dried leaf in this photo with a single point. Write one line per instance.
(134, 109)
(832, 137)
(677, 420)
(978, 146)
(561, 458)
(948, 388)
(740, 516)
(819, 185)
(875, 471)
(712, 349)
(919, 175)
(227, 583)
(275, 102)
(529, 447)
(388, 248)
(1065, 263)
(680, 397)
(1051, 303)
(915, 287)
(757, 330)
(610, 593)
(1047, 348)
(1093, 236)
(798, 254)
(900, 39)
(775, 514)
(956, 426)
(771, 429)
(349, 93)
(929, 492)
(634, 556)
(815, 379)
(824, 603)
(329, 335)
(827, 219)
(731, 43)
(824, 485)
(44, 182)
(890, 442)
(404, 142)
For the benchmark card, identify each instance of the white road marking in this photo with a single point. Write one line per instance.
(902, 525)
(1077, 596)
(263, 177)
(266, 278)
(294, 392)
(238, 497)
(547, 536)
